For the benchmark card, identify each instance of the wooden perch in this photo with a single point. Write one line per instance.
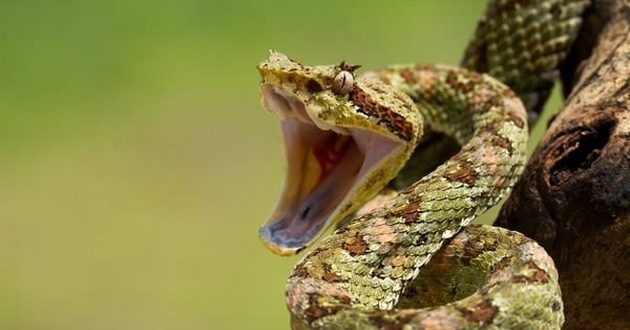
(574, 196)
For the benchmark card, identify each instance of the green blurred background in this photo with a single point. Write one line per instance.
(136, 163)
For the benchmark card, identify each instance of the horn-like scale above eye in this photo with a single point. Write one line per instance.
(343, 82)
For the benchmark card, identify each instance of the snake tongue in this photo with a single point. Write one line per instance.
(322, 168)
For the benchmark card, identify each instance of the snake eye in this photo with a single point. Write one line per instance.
(342, 84)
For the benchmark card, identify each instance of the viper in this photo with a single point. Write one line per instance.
(408, 258)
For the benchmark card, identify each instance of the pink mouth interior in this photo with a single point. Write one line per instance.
(324, 163)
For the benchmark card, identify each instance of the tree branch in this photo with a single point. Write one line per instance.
(574, 196)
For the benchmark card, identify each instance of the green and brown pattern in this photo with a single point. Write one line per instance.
(374, 271)
(361, 270)
(523, 43)
(484, 278)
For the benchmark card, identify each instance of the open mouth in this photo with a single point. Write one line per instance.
(326, 165)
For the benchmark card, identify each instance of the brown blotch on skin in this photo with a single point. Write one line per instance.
(399, 260)
(465, 174)
(490, 127)
(452, 78)
(503, 142)
(300, 271)
(472, 250)
(329, 276)
(518, 121)
(409, 77)
(501, 264)
(499, 274)
(382, 232)
(466, 87)
(396, 122)
(410, 211)
(315, 311)
(481, 314)
(405, 127)
(356, 247)
(388, 322)
(508, 93)
(362, 99)
(484, 98)
(537, 274)
(426, 80)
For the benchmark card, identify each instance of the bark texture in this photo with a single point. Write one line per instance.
(574, 196)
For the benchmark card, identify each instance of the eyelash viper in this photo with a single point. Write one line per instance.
(374, 270)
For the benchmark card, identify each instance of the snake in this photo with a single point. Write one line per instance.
(379, 258)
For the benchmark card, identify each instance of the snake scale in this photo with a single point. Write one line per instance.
(347, 135)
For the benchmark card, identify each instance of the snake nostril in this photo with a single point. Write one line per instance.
(313, 86)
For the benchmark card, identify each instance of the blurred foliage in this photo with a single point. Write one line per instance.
(136, 163)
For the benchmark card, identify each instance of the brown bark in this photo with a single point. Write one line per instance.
(574, 196)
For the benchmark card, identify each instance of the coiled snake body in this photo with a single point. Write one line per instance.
(347, 136)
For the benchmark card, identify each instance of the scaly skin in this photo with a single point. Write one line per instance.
(523, 43)
(374, 271)
(360, 271)
(483, 278)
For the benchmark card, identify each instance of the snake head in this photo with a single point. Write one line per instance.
(344, 139)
